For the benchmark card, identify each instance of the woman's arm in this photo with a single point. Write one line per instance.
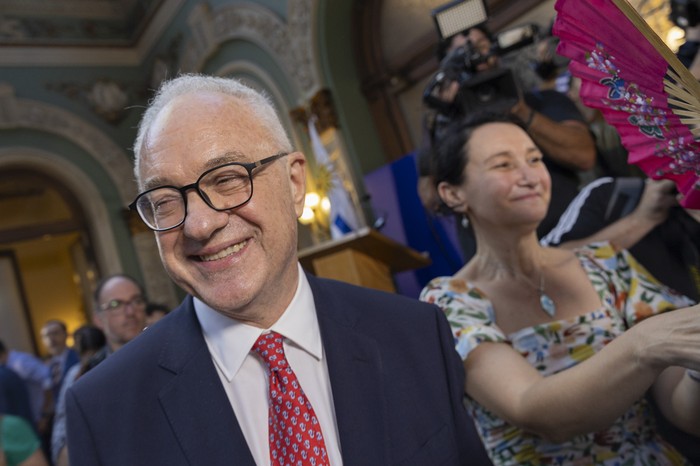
(651, 211)
(591, 395)
(568, 142)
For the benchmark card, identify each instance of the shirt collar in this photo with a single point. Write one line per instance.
(230, 340)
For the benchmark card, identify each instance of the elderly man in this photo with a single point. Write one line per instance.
(261, 364)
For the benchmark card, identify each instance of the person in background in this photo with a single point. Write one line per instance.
(580, 335)
(155, 312)
(643, 216)
(611, 155)
(216, 380)
(120, 312)
(14, 395)
(549, 67)
(54, 336)
(688, 51)
(37, 378)
(19, 444)
(89, 339)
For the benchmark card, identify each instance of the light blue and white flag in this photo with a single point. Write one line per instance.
(343, 218)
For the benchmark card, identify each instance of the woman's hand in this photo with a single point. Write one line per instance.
(670, 339)
(657, 198)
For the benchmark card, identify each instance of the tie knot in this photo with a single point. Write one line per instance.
(269, 347)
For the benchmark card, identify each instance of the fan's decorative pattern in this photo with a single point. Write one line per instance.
(626, 97)
(638, 85)
(650, 120)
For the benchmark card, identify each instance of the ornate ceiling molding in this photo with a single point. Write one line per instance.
(94, 56)
(106, 23)
(32, 114)
(290, 43)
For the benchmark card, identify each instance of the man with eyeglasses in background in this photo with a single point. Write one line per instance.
(120, 312)
(262, 363)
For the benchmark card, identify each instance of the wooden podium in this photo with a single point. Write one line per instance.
(364, 257)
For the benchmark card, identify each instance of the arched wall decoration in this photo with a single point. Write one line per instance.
(290, 43)
(246, 67)
(24, 113)
(85, 190)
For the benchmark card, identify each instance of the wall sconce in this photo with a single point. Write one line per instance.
(310, 202)
(316, 211)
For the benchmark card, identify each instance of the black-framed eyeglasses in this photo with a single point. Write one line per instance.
(224, 187)
(118, 305)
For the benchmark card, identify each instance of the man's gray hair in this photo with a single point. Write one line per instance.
(260, 106)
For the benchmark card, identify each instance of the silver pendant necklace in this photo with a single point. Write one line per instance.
(546, 303)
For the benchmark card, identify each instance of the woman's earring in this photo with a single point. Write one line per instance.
(465, 222)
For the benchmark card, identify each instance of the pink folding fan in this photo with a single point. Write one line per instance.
(638, 84)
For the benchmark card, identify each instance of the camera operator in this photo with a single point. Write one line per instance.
(552, 120)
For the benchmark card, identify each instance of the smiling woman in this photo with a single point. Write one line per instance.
(564, 325)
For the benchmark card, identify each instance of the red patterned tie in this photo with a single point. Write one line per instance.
(294, 432)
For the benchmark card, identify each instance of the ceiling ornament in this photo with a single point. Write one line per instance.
(290, 43)
(75, 23)
(108, 100)
(106, 97)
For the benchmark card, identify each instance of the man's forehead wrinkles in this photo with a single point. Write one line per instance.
(231, 156)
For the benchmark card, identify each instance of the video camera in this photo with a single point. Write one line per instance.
(492, 89)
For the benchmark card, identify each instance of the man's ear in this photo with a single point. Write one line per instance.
(453, 197)
(297, 180)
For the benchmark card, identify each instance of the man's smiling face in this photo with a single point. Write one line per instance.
(241, 262)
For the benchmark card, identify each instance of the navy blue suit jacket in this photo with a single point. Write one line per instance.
(397, 389)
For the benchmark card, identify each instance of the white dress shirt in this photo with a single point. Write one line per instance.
(244, 375)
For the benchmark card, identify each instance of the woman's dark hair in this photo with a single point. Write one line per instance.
(156, 307)
(450, 156)
(88, 338)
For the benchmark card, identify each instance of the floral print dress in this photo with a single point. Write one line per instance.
(629, 294)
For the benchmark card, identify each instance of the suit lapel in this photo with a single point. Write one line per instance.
(200, 413)
(354, 367)
(194, 401)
